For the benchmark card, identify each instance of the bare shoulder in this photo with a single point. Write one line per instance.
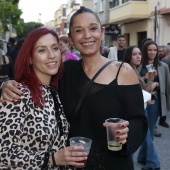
(127, 75)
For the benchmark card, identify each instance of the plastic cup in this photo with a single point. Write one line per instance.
(81, 141)
(112, 142)
(151, 70)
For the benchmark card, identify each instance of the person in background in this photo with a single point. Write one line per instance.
(6, 68)
(133, 57)
(156, 132)
(147, 154)
(143, 42)
(166, 59)
(64, 45)
(74, 51)
(4, 46)
(14, 53)
(117, 53)
(113, 85)
(34, 130)
(10, 45)
(105, 51)
(161, 52)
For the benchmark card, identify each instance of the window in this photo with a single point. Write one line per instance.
(101, 5)
(114, 3)
(95, 6)
(123, 1)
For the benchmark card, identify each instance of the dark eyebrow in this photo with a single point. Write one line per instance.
(91, 24)
(43, 46)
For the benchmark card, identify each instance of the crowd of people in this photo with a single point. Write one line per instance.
(49, 82)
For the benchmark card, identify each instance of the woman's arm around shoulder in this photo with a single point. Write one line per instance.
(10, 91)
(127, 75)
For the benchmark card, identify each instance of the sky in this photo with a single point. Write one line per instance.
(32, 8)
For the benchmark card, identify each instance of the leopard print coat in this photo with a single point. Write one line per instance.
(27, 132)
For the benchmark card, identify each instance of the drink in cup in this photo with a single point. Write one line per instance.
(112, 142)
(151, 70)
(81, 141)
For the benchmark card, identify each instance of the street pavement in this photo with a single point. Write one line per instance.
(162, 145)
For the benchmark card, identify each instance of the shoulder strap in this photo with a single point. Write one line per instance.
(89, 85)
(119, 70)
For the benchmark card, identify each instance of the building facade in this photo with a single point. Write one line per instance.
(60, 20)
(63, 13)
(135, 19)
(139, 19)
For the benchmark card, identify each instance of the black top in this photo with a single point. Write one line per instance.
(102, 102)
(4, 69)
(120, 54)
(105, 54)
(7, 69)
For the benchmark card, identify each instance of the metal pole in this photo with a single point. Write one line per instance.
(155, 24)
(10, 26)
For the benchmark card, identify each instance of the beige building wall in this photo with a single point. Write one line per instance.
(163, 32)
(57, 18)
(133, 29)
(163, 26)
(88, 4)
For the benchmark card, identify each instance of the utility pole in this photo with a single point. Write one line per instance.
(10, 26)
(9, 20)
(155, 24)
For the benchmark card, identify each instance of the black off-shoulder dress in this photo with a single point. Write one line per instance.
(102, 102)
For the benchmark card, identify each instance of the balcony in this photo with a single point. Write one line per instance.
(129, 11)
(75, 2)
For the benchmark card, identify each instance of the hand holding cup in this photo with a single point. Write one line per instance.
(117, 133)
(151, 72)
(71, 155)
(85, 143)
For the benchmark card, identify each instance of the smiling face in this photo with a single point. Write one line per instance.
(136, 57)
(121, 42)
(86, 34)
(46, 58)
(152, 51)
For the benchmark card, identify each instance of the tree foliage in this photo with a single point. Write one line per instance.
(9, 13)
(26, 28)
